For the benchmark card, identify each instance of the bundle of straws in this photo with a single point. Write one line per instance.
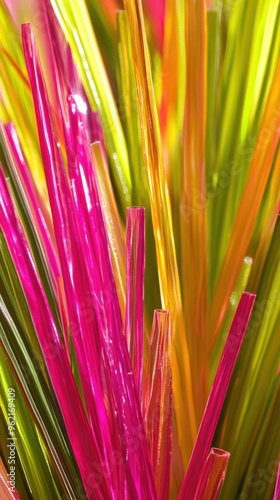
(140, 249)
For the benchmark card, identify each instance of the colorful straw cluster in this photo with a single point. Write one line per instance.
(140, 249)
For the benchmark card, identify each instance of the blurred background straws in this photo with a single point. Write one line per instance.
(140, 248)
